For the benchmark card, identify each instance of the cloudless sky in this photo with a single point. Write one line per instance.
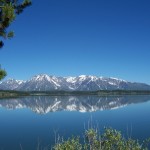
(108, 38)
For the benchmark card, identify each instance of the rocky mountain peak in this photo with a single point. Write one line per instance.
(44, 82)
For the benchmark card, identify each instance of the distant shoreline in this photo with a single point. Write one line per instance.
(16, 94)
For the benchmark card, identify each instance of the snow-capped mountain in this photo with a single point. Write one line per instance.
(45, 104)
(45, 82)
(11, 84)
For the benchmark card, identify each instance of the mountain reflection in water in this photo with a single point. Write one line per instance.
(45, 104)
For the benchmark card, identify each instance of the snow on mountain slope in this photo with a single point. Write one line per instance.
(11, 84)
(44, 82)
(41, 82)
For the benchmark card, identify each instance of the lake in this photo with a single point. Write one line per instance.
(28, 121)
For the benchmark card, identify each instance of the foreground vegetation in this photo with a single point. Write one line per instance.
(2, 73)
(111, 139)
(9, 9)
(9, 93)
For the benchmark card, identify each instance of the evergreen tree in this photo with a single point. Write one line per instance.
(9, 9)
(2, 74)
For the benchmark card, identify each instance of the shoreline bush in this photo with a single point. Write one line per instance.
(111, 139)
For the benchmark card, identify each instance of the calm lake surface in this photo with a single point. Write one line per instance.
(27, 121)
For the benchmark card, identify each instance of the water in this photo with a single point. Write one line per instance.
(27, 121)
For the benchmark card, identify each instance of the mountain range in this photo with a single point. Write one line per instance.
(44, 82)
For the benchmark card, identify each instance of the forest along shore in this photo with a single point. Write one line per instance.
(12, 94)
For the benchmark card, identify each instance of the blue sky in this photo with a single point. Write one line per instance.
(73, 37)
